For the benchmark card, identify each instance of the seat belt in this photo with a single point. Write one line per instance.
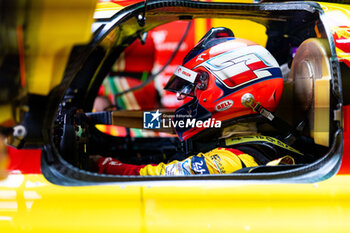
(289, 135)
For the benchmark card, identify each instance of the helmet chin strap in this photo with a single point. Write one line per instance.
(289, 134)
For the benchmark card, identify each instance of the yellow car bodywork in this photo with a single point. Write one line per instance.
(52, 29)
(29, 203)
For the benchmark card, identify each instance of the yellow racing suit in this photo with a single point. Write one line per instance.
(216, 161)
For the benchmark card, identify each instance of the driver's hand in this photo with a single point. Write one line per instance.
(106, 163)
(95, 158)
(94, 162)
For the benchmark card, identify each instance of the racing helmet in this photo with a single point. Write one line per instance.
(218, 73)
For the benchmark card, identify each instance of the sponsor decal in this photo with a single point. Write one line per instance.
(186, 167)
(218, 163)
(341, 32)
(185, 74)
(172, 170)
(224, 105)
(198, 165)
(178, 168)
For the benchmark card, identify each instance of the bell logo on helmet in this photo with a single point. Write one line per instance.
(224, 105)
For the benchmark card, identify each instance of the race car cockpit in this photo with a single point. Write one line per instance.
(302, 121)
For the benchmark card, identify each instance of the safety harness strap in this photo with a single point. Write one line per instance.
(258, 139)
(287, 132)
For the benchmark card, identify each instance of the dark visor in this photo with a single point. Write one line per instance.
(182, 82)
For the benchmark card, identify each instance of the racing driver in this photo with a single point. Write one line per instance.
(234, 81)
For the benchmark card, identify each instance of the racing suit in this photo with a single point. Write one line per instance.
(216, 161)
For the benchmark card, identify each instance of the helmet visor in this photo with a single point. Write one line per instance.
(182, 82)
